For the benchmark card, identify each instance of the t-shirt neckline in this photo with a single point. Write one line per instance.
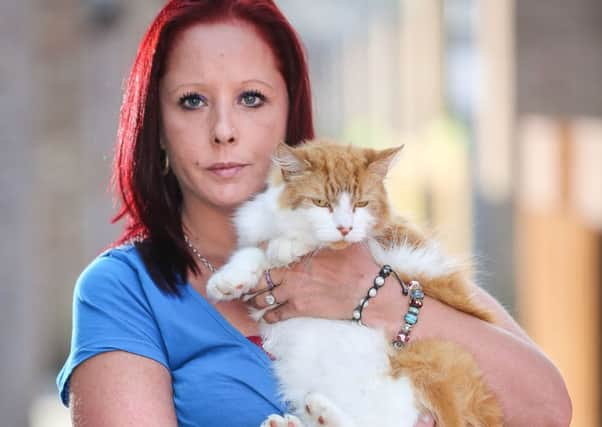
(249, 342)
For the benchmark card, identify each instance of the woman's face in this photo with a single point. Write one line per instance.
(224, 107)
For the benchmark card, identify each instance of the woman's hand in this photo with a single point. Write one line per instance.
(330, 284)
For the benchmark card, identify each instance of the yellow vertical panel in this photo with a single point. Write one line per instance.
(448, 180)
(558, 301)
(586, 179)
(495, 98)
(421, 62)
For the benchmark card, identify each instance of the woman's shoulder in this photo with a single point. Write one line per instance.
(116, 269)
(123, 259)
(113, 309)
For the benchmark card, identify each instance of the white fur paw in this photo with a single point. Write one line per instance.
(323, 412)
(279, 421)
(238, 276)
(282, 252)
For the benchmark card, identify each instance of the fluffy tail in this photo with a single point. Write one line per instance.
(448, 384)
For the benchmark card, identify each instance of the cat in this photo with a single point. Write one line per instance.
(334, 372)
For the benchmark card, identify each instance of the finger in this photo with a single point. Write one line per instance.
(261, 286)
(281, 312)
(277, 277)
(262, 300)
(257, 296)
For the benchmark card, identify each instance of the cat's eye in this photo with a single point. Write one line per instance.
(361, 204)
(321, 203)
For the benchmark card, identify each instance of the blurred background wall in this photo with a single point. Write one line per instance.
(499, 104)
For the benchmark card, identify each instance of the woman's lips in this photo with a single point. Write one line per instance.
(226, 170)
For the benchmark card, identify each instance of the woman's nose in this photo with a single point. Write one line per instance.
(223, 129)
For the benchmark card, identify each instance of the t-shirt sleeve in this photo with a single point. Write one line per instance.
(110, 312)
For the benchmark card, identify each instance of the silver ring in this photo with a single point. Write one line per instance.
(269, 299)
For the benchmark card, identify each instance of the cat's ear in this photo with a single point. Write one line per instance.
(289, 161)
(383, 160)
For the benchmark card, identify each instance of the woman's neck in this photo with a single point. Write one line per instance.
(209, 229)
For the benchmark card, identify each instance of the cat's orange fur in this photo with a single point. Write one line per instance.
(445, 376)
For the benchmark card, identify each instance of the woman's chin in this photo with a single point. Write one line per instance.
(231, 201)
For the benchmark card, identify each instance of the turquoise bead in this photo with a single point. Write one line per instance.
(417, 294)
(410, 318)
(414, 310)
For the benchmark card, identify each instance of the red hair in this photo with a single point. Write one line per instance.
(150, 202)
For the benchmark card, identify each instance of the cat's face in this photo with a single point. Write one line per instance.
(339, 189)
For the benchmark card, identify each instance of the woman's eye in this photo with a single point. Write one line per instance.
(252, 99)
(192, 101)
(321, 203)
(361, 204)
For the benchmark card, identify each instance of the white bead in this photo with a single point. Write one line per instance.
(356, 314)
(379, 281)
(372, 292)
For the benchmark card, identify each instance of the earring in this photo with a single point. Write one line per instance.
(165, 165)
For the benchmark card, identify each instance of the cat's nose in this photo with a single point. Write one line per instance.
(344, 230)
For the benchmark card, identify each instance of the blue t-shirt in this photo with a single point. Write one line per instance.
(217, 373)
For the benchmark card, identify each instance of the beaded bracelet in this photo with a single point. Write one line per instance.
(414, 290)
(379, 281)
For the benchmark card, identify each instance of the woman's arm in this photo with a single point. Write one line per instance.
(529, 388)
(503, 319)
(121, 389)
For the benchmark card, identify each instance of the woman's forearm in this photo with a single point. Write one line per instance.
(528, 386)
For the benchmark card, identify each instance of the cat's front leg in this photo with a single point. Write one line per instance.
(282, 251)
(238, 276)
(323, 412)
(281, 421)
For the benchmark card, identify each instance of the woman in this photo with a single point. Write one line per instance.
(215, 87)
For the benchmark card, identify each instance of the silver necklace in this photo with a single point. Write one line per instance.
(201, 258)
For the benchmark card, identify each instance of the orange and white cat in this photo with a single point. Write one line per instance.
(337, 373)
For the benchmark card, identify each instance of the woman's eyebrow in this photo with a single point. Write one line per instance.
(199, 84)
(181, 85)
(258, 81)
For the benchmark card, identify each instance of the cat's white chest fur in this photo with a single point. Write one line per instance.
(333, 372)
(347, 363)
(337, 368)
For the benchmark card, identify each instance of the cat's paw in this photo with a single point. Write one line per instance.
(281, 421)
(238, 276)
(322, 411)
(282, 252)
